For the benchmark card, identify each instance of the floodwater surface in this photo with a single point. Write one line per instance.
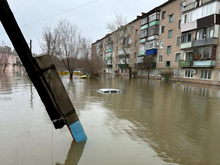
(151, 122)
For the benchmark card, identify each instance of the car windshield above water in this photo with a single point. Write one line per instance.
(108, 90)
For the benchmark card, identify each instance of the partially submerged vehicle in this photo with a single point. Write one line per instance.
(109, 90)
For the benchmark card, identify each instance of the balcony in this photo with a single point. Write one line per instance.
(204, 63)
(204, 42)
(146, 65)
(123, 56)
(154, 23)
(141, 53)
(108, 50)
(122, 65)
(151, 52)
(108, 58)
(142, 40)
(109, 62)
(189, 26)
(185, 63)
(189, 6)
(186, 45)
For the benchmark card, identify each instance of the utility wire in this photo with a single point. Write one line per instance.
(61, 13)
(58, 14)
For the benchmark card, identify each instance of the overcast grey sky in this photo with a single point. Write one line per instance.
(90, 16)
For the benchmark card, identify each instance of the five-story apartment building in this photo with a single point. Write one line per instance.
(178, 40)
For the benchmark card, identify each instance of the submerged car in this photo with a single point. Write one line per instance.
(109, 90)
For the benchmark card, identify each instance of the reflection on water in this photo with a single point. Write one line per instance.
(151, 122)
(74, 154)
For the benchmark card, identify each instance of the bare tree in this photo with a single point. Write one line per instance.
(51, 41)
(125, 48)
(69, 45)
(119, 21)
(63, 42)
(90, 64)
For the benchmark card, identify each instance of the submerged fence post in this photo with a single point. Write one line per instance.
(45, 78)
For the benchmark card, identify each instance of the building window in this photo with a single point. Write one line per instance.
(136, 32)
(170, 33)
(159, 72)
(135, 54)
(178, 41)
(144, 21)
(207, 32)
(176, 72)
(205, 74)
(208, 9)
(188, 73)
(189, 56)
(135, 65)
(154, 16)
(187, 17)
(161, 44)
(162, 28)
(171, 18)
(152, 72)
(182, 5)
(160, 58)
(168, 49)
(163, 15)
(187, 37)
(135, 43)
(177, 59)
(143, 33)
(204, 52)
(179, 24)
(167, 63)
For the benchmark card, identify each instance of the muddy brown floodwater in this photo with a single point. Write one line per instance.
(151, 122)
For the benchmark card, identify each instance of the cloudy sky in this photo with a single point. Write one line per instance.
(90, 16)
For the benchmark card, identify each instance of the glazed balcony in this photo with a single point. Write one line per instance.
(122, 65)
(189, 26)
(108, 58)
(109, 62)
(146, 65)
(205, 41)
(204, 63)
(189, 6)
(186, 45)
(108, 50)
(185, 64)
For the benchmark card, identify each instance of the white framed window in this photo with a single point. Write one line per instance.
(188, 73)
(176, 73)
(161, 44)
(170, 33)
(159, 72)
(177, 59)
(178, 41)
(205, 74)
(160, 58)
(152, 72)
(162, 29)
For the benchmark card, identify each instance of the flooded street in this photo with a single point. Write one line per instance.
(151, 122)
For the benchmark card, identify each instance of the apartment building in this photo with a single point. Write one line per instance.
(178, 40)
(119, 49)
(8, 59)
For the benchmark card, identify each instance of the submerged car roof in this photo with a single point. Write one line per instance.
(109, 90)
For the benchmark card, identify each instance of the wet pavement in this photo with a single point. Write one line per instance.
(151, 122)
